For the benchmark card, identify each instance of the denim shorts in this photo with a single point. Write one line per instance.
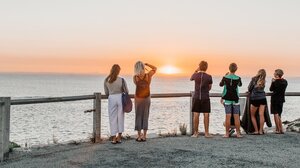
(232, 109)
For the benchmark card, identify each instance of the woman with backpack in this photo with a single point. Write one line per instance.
(142, 80)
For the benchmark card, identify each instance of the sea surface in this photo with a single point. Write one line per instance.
(42, 124)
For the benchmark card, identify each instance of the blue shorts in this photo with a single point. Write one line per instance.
(232, 109)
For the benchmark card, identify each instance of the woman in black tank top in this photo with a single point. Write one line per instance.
(142, 81)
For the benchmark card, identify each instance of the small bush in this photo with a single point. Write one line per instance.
(182, 128)
(13, 145)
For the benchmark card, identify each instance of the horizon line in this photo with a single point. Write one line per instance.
(125, 74)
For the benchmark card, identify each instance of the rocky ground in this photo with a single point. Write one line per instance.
(293, 126)
(269, 150)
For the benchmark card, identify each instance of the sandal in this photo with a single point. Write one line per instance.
(239, 136)
(114, 142)
(195, 135)
(138, 139)
(225, 136)
(119, 140)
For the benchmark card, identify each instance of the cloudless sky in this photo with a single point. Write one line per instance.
(88, 36)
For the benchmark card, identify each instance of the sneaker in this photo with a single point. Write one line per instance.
(231, 132)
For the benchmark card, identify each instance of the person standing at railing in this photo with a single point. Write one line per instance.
(201, 101)
(142, 80)
(230, 99)
(113, 87)
(278, 87)
(258, 100)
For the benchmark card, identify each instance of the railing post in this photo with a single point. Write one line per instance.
(97, 118)
(191, 114)
(4, 127)
(242, 105)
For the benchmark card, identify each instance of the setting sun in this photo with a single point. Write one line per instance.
(169, 69)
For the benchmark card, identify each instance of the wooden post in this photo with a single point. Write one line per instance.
(4, 127)
(242, 105)
(191, 115)
(97, 118)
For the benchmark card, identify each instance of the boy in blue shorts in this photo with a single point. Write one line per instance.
(231, 99)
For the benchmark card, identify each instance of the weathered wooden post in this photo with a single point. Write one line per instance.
(4, 127)
(242, 105)
(97, 118)
(191, 114)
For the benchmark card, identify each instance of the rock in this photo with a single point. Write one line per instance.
(297, 124)
(293, 126)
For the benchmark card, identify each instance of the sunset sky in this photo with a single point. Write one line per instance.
(88, 36)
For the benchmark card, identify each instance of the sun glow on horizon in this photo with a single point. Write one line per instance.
(169, 70)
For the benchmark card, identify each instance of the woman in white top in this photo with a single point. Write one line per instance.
(114, 88)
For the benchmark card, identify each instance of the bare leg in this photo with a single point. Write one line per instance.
(237, 125)
(139, 136)
(144, 135)
(276, 123)
(196, 124)
(227, 125)
(206, 125)
(280, 125)
(261, 118)
(253, 118)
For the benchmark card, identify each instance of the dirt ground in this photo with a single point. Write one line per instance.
(269, 150)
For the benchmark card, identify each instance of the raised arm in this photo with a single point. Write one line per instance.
(194, 74)
(153, 69)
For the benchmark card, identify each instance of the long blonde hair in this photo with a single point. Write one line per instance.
(114, 72)
(139, 68)
(261, 78)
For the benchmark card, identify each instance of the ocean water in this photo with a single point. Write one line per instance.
(40, 124)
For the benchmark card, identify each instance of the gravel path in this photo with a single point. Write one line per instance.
(268, 150)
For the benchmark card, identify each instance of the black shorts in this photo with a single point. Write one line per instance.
(201, 106)
(257, 103)
(276, 108)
